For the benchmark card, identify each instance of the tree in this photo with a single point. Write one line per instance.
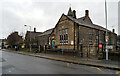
(14, 39)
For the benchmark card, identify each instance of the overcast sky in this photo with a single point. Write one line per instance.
(44, 14)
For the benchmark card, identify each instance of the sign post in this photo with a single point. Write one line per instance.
(106, 30)
(100, 46)
(106, 47)
(109, 47)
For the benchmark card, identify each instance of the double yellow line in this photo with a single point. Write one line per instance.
(98, 69)
(118, 72)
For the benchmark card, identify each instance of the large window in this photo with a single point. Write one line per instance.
(97, 33)
(64, 36)
(101, 37)
(90, 36)
(60, 36)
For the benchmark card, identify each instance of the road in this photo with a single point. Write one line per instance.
(13, 63)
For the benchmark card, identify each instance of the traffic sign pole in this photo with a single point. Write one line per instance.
(106, 48)
(106, 54)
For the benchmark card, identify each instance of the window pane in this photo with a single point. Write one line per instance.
(60, 32)
(64, 37)
(65, 31)
(60, 37)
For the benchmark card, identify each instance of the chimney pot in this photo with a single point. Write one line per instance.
(34, 29)
(74, 13)
(113, 30)
(86, 12)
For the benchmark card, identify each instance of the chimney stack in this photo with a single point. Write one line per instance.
(113, 30)
(86, 12)
(74, 14)
(34, 29)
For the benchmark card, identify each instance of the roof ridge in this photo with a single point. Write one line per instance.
(81, 17)
(34, 32)
(48, 30)
(87, 25)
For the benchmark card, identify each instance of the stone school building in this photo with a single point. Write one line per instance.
(79, 34)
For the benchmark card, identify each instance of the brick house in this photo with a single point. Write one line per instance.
(81, 35)
(33, 38)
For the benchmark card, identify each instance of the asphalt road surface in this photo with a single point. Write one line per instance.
(13, 63)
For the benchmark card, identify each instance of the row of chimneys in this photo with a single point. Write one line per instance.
(86, 13)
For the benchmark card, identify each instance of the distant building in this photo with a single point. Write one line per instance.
(81, 35)
(118, 42)
(33, 37)
(3, 43)
(43, 38)
(0, 42)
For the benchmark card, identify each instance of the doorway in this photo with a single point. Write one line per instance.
(53, 43)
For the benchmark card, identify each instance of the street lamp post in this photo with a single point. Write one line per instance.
(106, 31)
(30, 36)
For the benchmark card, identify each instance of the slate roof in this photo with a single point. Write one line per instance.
(80, 22)
(85, 20)
(2, 40)
(34, 34)
(47, 32)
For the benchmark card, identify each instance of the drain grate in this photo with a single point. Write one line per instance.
(2, 60)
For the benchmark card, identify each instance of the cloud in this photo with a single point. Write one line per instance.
(44, 14)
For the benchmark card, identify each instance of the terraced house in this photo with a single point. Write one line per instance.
(81, 35)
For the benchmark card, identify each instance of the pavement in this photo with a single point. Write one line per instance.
(14, 63)
(114, 65)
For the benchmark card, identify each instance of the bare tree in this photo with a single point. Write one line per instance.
(14, 39)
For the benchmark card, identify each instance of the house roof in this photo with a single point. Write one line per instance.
(34, 34)
(81, 22)
(47, 32)
(2, 40)
(85, 20)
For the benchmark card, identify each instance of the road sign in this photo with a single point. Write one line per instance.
(100, 45)
(22, 46)
(109, 47)
(106, 37)
(72, 42)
